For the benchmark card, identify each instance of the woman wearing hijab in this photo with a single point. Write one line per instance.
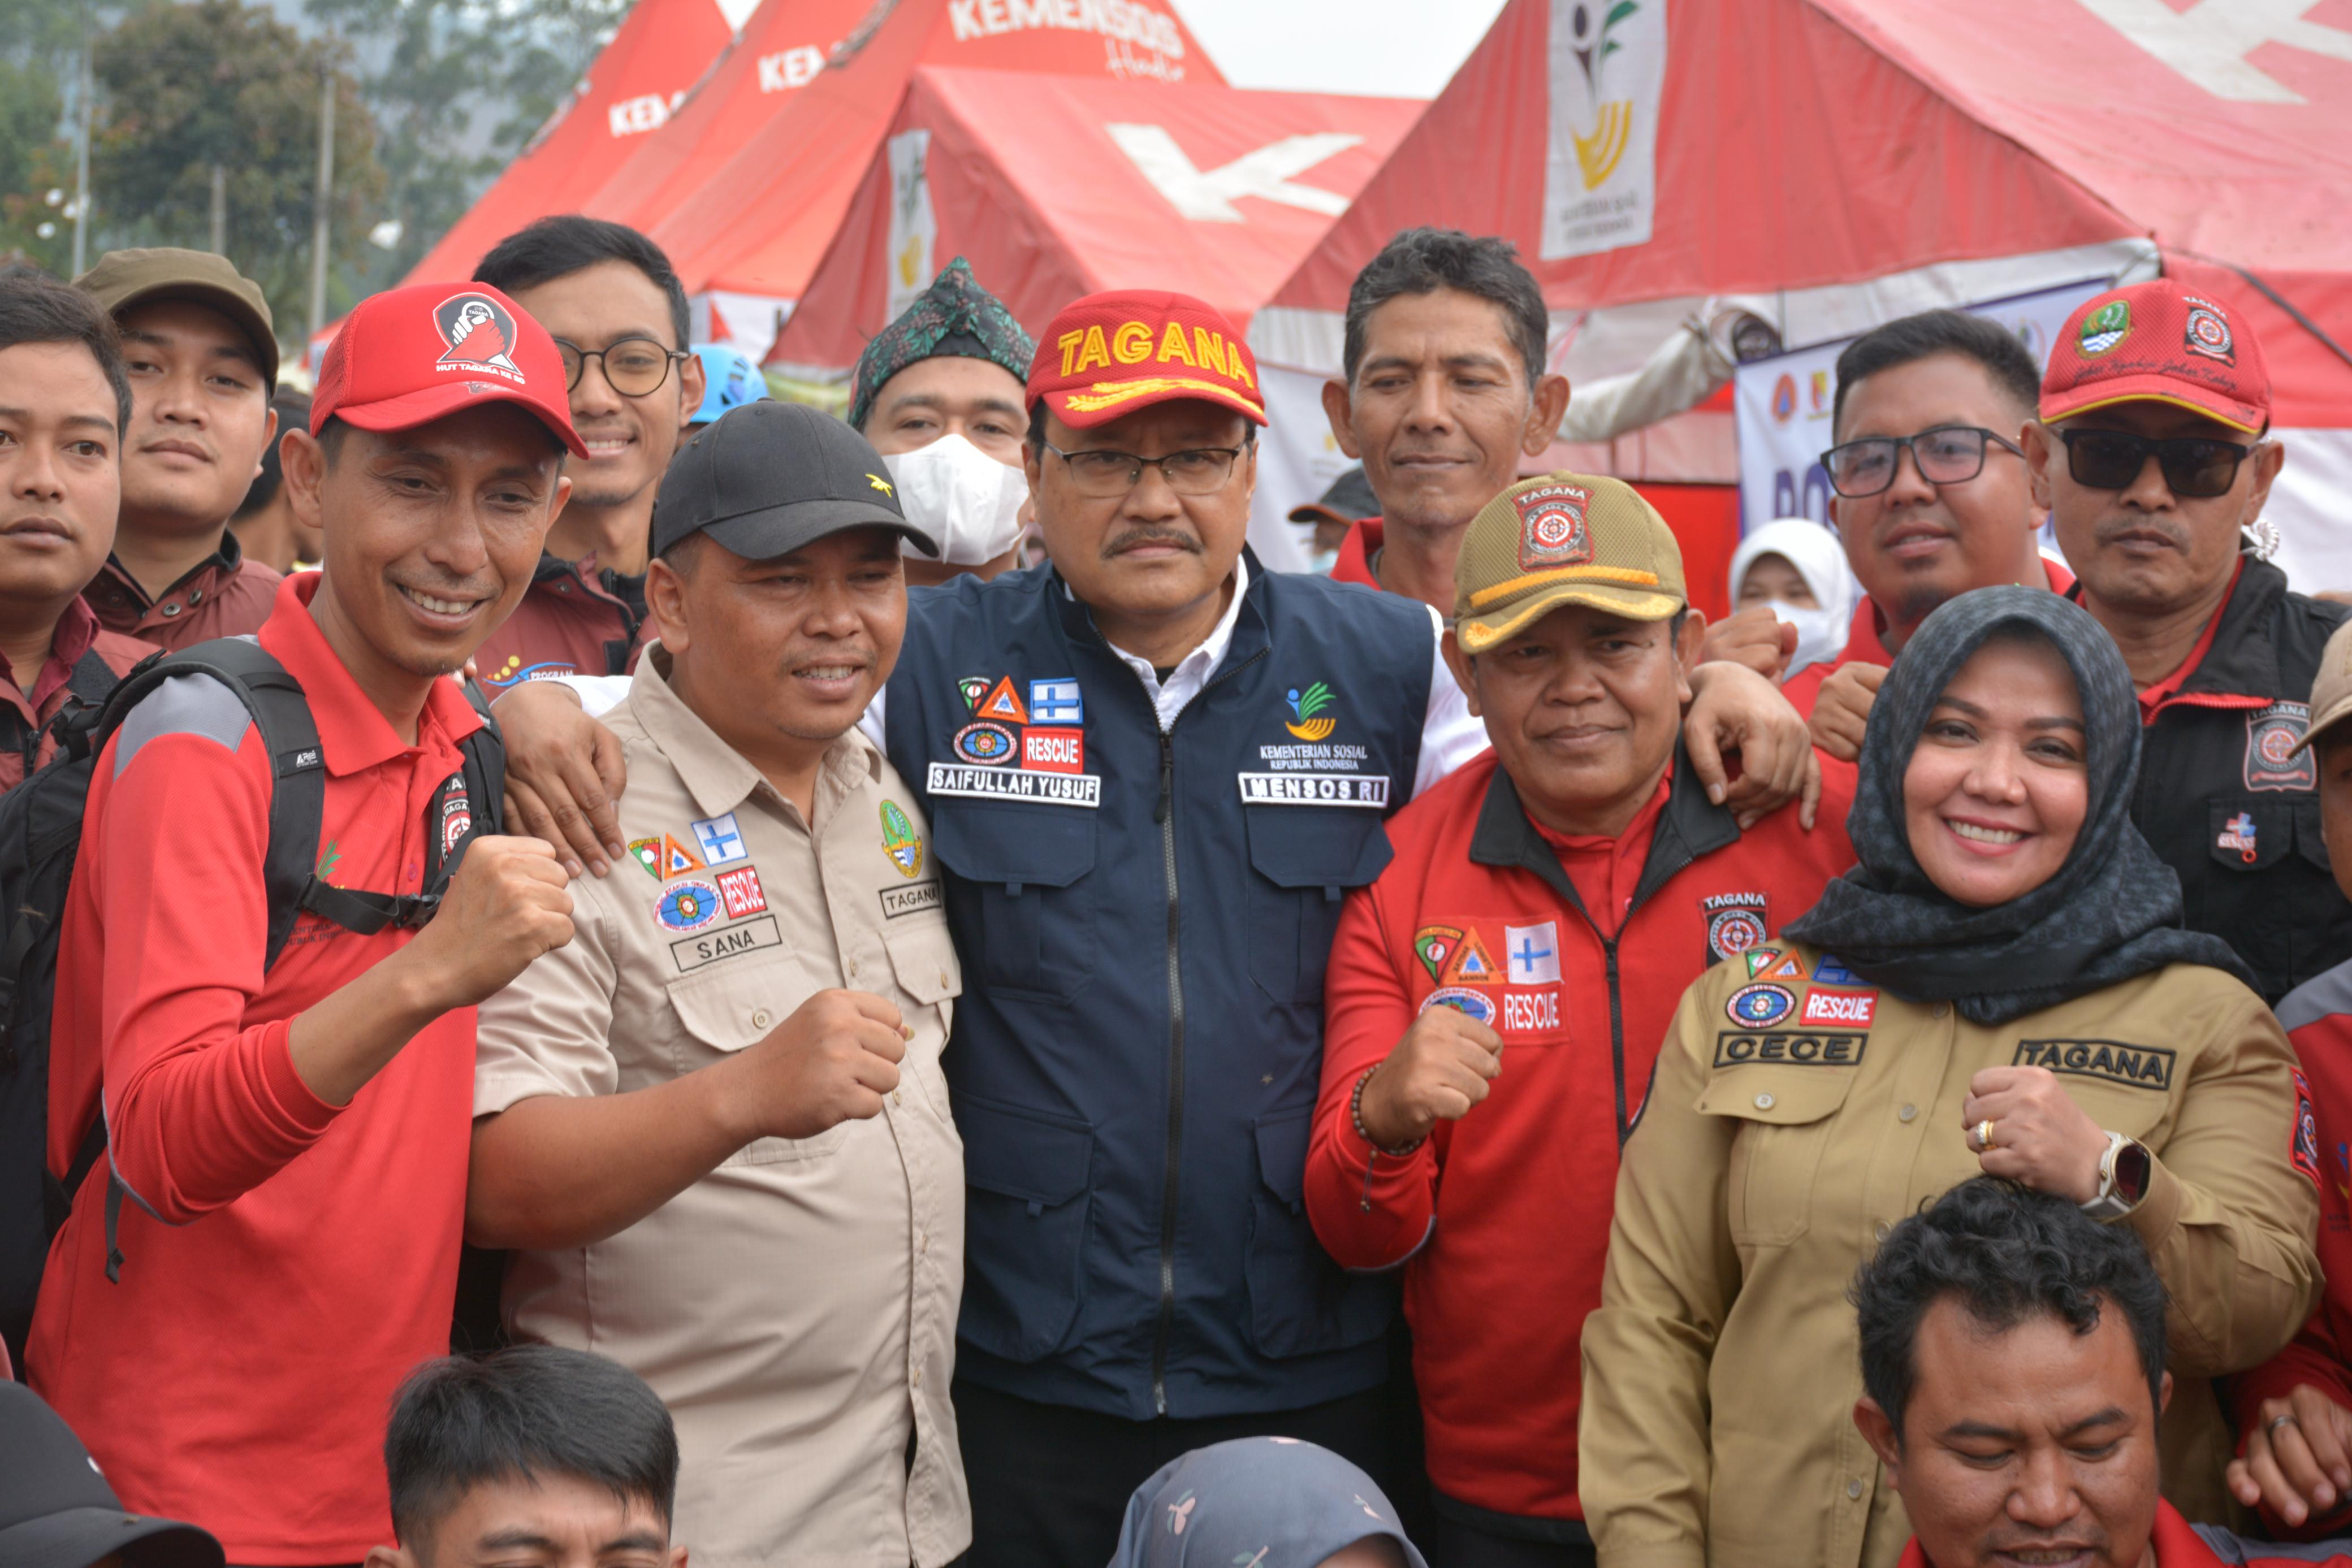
(1796, 568)
(1262, 1502)
(2001, 987)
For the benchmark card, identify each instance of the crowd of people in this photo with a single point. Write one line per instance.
(606, 969)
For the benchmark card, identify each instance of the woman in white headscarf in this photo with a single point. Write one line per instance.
(1798, 567)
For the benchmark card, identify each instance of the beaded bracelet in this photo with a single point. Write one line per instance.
(1356, 1114)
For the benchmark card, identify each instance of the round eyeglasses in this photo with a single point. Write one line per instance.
(634, 367)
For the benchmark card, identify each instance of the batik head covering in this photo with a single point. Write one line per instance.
(2111, 912)
(1254, 1502)
(955, 317)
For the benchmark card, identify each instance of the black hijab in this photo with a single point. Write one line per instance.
(2112, 910)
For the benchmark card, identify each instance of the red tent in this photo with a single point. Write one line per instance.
(653, 62)
(1839, 162)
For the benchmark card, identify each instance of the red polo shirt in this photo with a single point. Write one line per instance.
(1863, 644)
(1501, 1219)
(286, 1262)
(22, 744)
(1356, 552)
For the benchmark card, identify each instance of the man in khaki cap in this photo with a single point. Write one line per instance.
(1555, 895)
(202, 358)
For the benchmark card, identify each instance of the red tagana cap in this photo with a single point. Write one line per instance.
(2159, 342)
(409, 356)
(1110, 354)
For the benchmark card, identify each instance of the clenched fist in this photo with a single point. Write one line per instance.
(830, 1063)
(1841, 708)
(1755, 637)
(1444, 1064)
(2041, 1137)
(507, 904)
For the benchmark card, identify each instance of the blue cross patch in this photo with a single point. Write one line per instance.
(1056, 701)
(719, 840)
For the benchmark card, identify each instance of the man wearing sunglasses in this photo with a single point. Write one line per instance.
(609, 298)
(2150, 454)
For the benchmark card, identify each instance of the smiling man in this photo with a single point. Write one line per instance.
(2152, 456)
(203, 358)
(619, 318)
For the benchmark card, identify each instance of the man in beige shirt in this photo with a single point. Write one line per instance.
(715, 1131)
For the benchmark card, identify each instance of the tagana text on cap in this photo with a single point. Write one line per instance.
(1563, 539)
(409, 356)
(125, 279)
(1107, 355)
(2159, 342)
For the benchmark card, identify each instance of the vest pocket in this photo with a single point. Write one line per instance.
(1306, 859)
(1789, 1114)
(1025, 1223)
(1301, 1301)
(1023, 899)
(726, 1010)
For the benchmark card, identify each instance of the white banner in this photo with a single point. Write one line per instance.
(914, 225)
(1783, 404)
(1601, 172)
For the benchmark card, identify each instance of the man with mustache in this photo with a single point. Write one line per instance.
(202, 358)
(268, 1242)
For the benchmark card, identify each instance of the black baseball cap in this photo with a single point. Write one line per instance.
(769, 477)
(56, 1510)
(1348, 500)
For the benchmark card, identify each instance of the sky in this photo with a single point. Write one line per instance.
(1390, 48)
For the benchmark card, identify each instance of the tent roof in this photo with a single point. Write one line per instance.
(1041, 183)
(661, 48)
(759, 221)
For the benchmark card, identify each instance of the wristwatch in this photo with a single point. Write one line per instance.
(2123, 1177)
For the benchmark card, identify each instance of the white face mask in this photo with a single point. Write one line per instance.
(1821, 636)
(962, 496)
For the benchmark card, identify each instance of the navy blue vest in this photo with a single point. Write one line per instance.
(1144, 920)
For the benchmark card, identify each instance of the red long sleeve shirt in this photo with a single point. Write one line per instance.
(1501, 1219)
(287, 1262)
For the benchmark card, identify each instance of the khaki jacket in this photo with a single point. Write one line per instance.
(1790, 1124)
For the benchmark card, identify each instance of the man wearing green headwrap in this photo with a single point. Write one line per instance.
(947, 378)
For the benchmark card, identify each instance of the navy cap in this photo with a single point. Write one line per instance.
(56, 1510)
(767, 478)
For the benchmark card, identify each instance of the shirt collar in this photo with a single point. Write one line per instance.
(1195, 667)
(222, 563)
(76, 630)
(353, 734)
(719, 777)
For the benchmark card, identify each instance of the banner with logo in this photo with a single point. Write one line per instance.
(1608, 70)
(1782, 406)
(914, 225)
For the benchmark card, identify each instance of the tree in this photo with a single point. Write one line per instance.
(189, 87)
(40, 44)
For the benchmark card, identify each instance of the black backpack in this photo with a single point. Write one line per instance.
(40, 837)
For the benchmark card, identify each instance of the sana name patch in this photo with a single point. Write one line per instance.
(1760, 1006)
(697, 951)
(688, 905)
(1476, 1004)
(2133, 1066)
(1801, 1047)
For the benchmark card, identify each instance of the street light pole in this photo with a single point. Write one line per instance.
(81, 160)
(321, 209)
(220, 209)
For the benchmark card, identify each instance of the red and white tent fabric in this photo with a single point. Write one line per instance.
(1835, 163)
(662, 48)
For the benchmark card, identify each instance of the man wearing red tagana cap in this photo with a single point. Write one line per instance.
(286, 1096)
(2152, 456)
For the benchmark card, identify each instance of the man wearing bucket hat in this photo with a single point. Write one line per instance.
(2151, 454)
(1556, 895)
(268, 1242)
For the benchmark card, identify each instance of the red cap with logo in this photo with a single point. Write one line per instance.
(1110, 354)
(410, 356)
(2158, 342)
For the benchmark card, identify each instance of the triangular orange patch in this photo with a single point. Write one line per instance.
(1470, 965)
(676, 860)
(1790, 967)
(1003, 703)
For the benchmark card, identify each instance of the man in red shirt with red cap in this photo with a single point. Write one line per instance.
(271, 1242)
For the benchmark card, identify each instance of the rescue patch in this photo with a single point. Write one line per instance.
(1734, 923)
(2239, 834)
(2272, 761)
(1056, 701)
(2133, 1066)
(1737, 1047)
(741, 892)
(899, 901)
(1477, 1004)
(1552, 529)
(688, 905)
(697, 951)
(985, 743)
(1853, 1008)
(721, 842)
(1760, 1006)
(2305, 1152)
(1530, 1012)
(2208, 331)
(901, 841)
(1470, 964)
(1434, 945)
(1059, 750)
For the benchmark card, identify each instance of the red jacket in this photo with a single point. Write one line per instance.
(573, 620)
(2318, 1019)
(223, 596)
(285, 1261)
(85, 661)
(1504, 1216)
(1862, 643)
(2180, 1544)
(1356, 552)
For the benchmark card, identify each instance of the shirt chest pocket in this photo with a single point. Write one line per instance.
(2254, 832)
(924, 960)
(1782, 1120)
(727, 1009)
(1305, 858)
(1024, 896)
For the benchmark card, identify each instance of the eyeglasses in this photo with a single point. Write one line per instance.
(2195, 467)
(1102, 475)
(634, 365)
(1947, 455)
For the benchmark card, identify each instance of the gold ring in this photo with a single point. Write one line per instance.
(1984, 1134)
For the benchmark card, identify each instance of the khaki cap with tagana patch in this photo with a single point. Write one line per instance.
(1563, 539)
(2331, 688)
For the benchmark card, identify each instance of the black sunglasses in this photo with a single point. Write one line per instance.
(2195, 468)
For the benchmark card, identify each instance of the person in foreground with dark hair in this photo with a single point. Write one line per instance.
(529, 1456)
(1929, 495)
(266, 525)
(56, 1510)
(2013, 1376)
(64, 401)
(619, 314)
(2002, 986)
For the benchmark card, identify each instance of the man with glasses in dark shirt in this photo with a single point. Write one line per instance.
(609, 298)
